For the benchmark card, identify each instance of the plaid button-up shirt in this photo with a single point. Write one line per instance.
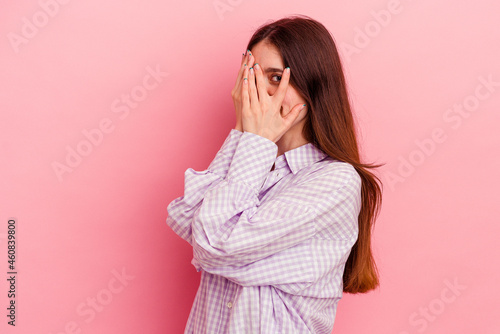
(271, 245)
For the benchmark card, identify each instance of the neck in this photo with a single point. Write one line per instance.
(292, 139)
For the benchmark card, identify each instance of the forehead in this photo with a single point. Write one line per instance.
(267, 55)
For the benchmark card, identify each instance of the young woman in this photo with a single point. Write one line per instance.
(280, 222)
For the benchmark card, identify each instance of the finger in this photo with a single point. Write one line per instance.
(280, 92)
(293, 114)
(252, 88)
(261, 84)
(244, 90)
(251, 59)
(244, 64)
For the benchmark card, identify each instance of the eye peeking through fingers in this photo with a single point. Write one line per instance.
(275, 79)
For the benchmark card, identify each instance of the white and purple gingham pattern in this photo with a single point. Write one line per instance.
(271, 245)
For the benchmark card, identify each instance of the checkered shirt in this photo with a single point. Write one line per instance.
(271, 245)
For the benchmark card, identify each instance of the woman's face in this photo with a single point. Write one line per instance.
(269, 58)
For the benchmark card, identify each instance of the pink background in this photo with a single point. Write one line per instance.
(416, 71)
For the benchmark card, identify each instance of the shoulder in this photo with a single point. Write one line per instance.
(330, 172)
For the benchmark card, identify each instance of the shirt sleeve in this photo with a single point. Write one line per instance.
(196, 184)
(238, 236)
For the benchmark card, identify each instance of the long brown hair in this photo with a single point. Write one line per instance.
(307, 47)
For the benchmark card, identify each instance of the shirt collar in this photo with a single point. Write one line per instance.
(303, 156)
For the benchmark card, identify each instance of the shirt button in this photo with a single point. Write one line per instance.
(229, 305)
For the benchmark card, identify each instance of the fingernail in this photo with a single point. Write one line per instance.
(287, 69)
(249, 52)
(256, 65)
(251, 68)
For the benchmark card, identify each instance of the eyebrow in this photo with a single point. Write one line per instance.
(273, 69)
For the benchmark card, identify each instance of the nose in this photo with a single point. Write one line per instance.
(271, 89)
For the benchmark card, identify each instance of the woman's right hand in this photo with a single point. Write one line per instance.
(246, 61)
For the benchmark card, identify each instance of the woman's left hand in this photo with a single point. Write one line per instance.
(261, 112)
